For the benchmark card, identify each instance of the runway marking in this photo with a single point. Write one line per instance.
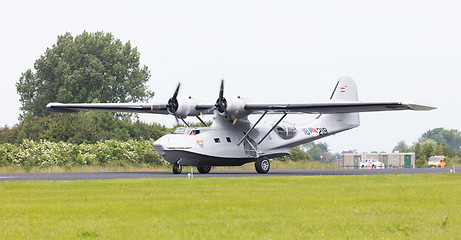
(6, 177)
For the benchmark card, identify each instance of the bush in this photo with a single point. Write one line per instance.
(110, 153)
(81, 127)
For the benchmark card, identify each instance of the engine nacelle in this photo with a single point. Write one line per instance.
(186, 107)
(235, 109)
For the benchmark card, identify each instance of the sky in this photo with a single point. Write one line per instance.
(267, 51)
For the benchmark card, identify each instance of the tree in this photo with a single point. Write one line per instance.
(450, 138)
(401, 147)
(81, 127)
(424, 150)
(92, 67)
(317, 150)
(296, 154)
(437, 141)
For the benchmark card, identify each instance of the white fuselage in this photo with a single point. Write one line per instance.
(217, 145)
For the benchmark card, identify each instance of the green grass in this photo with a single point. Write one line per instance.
(275, 165)
(339, 207)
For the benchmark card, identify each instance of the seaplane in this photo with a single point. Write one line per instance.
(232, 139)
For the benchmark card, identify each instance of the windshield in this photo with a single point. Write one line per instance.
(179, 130)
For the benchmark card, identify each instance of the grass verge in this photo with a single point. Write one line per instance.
(338, 207)
(275, 165)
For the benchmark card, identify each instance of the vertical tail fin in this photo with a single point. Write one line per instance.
(345, 90)
(330, 124)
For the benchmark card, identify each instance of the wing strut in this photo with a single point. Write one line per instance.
(202, 121)
(251, 129)
(275, 125)
(184, 121)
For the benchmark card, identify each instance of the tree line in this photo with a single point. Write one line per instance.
(438, 141)
(81, 127)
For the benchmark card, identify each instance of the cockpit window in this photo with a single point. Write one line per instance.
(179, 130)
(194, 132)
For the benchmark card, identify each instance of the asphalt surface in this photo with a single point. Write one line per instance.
(212, 174)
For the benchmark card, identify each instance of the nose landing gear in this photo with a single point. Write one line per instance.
(177, 169)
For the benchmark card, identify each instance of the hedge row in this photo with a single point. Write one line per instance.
(110, 153)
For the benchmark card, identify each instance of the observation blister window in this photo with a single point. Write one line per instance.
(286, 130)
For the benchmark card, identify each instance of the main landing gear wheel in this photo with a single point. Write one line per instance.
(262, 165)
(203, 169)
(177, 169)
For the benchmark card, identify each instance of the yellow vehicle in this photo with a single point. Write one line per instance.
(437, 162)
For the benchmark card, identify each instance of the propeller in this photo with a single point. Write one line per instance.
(221, 103)
(173, 104)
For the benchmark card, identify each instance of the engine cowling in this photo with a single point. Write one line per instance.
(235, 109)
(183, 107)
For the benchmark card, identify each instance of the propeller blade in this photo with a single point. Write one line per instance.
(177, 90)
(221, 103)
(221, 91)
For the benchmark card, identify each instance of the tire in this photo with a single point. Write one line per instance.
(177, 169)
(262, 165)
(203, 169)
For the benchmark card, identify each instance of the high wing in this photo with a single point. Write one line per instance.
(344, 99)
(180, 108)
(334, 107)
(112, 107)
(121, 107)
(252, 108)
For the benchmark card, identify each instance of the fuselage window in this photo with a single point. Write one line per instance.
(228, 139)
(216, 140)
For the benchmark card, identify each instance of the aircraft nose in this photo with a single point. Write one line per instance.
(160, 146)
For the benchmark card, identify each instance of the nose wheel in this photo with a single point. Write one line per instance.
(177, 169)
(262, 165)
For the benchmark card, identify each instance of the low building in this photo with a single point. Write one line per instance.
(390, 160)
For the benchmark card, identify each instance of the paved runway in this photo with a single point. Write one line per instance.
(252, 173)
